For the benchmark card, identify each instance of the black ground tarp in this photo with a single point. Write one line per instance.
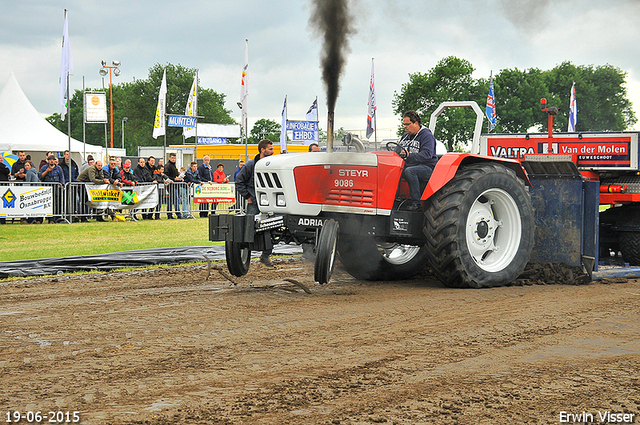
(116, 260)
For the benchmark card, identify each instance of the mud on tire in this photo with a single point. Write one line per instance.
(479, 227)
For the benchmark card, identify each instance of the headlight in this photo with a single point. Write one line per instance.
(280, 200)
(264, 201)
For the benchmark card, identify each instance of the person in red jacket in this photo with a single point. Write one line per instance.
(219, 177)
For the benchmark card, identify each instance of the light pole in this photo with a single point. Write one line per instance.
(124, 120)
(103, 72)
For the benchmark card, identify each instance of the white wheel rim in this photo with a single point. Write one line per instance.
(493, 230)
(399, 254)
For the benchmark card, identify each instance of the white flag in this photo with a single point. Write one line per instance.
(371, 106)
(312, 113)
(573, 109)
(66, 66)
(159, 126)
(283, 129)
(192, 107)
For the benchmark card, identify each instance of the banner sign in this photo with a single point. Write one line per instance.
(26, 201)
(602, 151)
(214, 192)
(181, 121)
(101, 196)
(212, 140)
(95, 107)
(306, 131)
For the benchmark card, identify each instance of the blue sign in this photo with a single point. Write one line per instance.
(181, 121)
(203, 140)
(306, 131)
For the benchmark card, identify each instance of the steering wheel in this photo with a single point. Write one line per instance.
(395, 147)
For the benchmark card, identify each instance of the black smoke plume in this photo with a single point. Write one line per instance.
(332, 21)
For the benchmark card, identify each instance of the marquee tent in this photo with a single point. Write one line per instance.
(22, 128)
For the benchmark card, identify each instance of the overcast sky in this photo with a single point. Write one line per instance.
(284, 52)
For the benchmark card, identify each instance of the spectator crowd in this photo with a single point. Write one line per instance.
(172, 183)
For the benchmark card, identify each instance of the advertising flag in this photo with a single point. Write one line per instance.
(283, 129)
(312, 113)
(491, 107)
(371, 111)
(66, 66)
(159, 125)
(192, 107)
(244, 91)
(573, 109)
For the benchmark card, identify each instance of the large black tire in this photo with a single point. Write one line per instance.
(630, 247)
(326, 251)
(365, 259)
(238, 258)
(480, 228)
(627, 220)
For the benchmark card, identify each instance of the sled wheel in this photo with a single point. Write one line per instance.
(365, 259)
(238, 258)
(479, 227)
(326, 251)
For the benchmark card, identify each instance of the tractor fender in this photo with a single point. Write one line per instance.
(448, 165)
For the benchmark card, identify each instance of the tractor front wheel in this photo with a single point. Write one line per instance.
(238, 257)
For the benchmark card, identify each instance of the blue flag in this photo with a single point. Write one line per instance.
(491, 108)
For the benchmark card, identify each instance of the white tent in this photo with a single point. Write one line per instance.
(22, 128)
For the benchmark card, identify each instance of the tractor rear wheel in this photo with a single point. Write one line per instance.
(238, 257)
(364, 258)
(480, 228)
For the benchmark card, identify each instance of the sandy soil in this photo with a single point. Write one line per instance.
(168, 346)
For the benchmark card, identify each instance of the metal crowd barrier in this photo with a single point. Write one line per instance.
(69, 203)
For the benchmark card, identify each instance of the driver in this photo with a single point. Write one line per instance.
(418, 149)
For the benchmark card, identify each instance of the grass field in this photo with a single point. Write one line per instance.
(24, 242)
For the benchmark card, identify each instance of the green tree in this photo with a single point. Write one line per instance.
(518, 95)
(602, 98)
(601, 94)
(449, 80)
(137, 100)
(265, 129)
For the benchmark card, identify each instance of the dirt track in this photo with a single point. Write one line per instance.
(169, 347)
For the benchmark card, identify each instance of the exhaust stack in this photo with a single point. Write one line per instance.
(330, 132)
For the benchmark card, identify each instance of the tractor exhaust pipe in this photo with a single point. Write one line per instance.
(330, 132)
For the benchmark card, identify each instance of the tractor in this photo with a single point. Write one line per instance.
(479, 226)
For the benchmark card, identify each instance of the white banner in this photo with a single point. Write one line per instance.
(101, 196)
(95, 107)
(26, 201)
